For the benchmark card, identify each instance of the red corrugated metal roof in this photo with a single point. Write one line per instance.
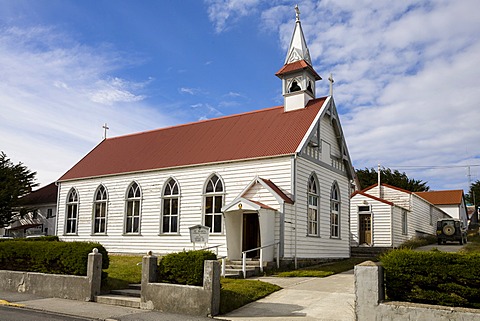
(297, 65)
(263, 133)
(451, 197)
(44, 195)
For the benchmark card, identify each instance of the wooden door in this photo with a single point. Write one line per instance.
(365, 221)
(251, 234)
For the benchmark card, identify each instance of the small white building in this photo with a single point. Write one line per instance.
(389, 216)
(41, 216)
(451, 202)
(280, 175)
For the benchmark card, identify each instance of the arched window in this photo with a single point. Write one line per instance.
(213, 204)
(71, 220)
(335, 211)
(132, 215)
(313, 197)
(100, 211)
(170, 207)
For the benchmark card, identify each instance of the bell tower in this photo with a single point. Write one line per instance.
(297, 74)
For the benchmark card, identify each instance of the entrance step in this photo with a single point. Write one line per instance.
(125, 297)
(368, 251)
(119, 300)
(233, 268)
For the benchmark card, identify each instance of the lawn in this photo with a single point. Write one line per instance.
(326, 269)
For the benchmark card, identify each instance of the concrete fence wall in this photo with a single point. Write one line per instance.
(370, 294)
(83, 288)
(185, 299)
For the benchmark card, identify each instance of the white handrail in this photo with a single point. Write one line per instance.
(244, 257)
(211, 247)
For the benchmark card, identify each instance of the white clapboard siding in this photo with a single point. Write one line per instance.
(236, 176)
(398, 236)
(381, 220)
(322, 245)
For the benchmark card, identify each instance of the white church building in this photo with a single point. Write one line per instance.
(277, 177)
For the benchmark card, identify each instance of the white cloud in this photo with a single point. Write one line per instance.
(222, 11)
(191, 91)
(55, 95)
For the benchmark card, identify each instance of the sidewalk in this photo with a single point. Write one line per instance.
(92, 310)
(326, 299)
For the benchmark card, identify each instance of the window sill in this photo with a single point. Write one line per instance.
(317, 236)
(169, 234)
(131, 234)
(99, 234)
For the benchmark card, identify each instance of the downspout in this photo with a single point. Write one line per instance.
(392, 241)
(295, 206)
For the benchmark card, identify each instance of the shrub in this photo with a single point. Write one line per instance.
(433, 277)
(49, 257)
(184, 267)
(50, 238)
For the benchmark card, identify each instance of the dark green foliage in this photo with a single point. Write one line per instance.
(473, 195)
(15, 181)
(368, 177)
(49, 257)
(184, 267)
(433, 277)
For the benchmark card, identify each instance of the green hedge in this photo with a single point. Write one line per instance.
(50, 238)
(184, 267)
(49, 257)
(433, 277)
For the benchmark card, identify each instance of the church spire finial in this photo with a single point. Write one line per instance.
(297, 13)
(298, 49)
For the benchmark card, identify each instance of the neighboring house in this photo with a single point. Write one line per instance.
(451, 202)
(281, 174)
(389, 216)
(41, 216)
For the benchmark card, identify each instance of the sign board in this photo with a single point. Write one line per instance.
(199, 233)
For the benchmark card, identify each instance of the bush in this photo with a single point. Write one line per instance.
(49, 257)
(184, 267)
(433, 277)
(50, 238)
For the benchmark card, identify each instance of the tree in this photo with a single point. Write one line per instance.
(15, 182)
(473, 196)
(368, 177)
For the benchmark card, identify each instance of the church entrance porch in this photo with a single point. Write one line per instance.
(249, 225)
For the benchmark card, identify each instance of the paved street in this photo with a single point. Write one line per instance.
(449, 247)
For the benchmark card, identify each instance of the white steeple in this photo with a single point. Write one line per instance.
(298, 49)
(297, 74)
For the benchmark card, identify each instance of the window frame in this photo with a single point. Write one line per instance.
(404, 220)
(216, 196)
(335, 214)
(103, 202)
(71, 207)
(170, 198)
(136, 202)
(312, 195)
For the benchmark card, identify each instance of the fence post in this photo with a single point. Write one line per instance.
(94, 273)
(369, 290)
(149, 272)
(211, 284)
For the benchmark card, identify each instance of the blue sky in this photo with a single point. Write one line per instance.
(407, 75)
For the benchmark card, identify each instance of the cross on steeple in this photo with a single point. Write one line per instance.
(297, 13)
(330, 79)
(105, 128)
